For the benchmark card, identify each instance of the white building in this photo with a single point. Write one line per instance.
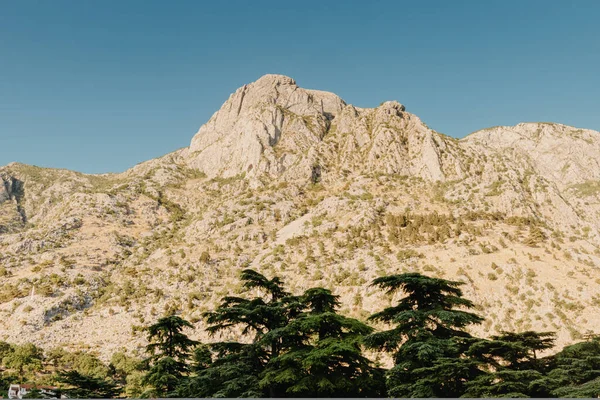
(19, 391)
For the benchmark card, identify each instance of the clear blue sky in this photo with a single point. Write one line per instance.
(99, 86)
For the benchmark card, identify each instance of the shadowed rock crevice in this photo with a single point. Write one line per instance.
(13, 190)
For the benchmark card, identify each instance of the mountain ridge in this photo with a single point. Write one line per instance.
(267, 85)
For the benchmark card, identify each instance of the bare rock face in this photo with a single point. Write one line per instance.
(245, 135)
(9, 186)
(276, 128)
(562, 154)
(389, 140)
(5, 189)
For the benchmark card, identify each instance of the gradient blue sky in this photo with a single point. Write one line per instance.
(99, 86)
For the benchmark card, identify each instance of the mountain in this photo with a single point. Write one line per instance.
(273, 127)
(298, 183)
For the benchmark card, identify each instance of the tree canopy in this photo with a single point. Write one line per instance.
(427, 340)
(169, 350)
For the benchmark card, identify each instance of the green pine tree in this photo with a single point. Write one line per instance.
(575, 370)
(512, 365)
(428, 339)
(235, 368)
(232, 370)
(169, 351)
(87, 387)
(322, 355)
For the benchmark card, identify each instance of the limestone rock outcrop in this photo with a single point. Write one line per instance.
(563, 154)
(259, 119)
(276, 128)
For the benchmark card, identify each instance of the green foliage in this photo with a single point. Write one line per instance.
(408, 254)
(428, 308)
(10, 291)
(427, 340)
(520, 350)
(205, 257)
(495, 189)
(176, 212)
(169, 350)
(122, 365)
(535, 236)
(6, 379)
(299, 346)
(231, 370)
(167, 340)
(588, 188)
(323, 356)
(163, 377)
(127, 372)
(5, 349)
(85, 386)
(576, 370)
(408, 228)
(84, 363)
(24, 358)
(236, 367)
(508, 383)
(512, 366)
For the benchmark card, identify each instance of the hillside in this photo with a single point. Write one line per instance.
(300, 184)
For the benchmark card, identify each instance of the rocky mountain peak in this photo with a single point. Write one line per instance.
(275, 128)
(392, 105)
(274, 80)
(244, 136)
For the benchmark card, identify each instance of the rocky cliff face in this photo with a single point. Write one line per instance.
(273, 127)
(265, 127)
(562, 154)
(300, 184)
